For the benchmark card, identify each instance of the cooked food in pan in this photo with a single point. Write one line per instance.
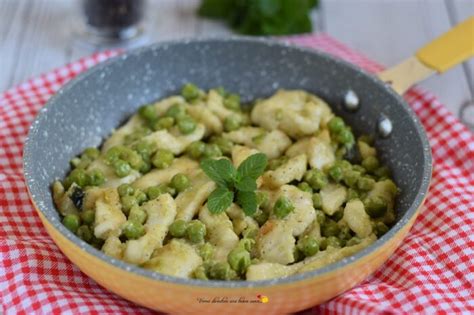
(198, 186)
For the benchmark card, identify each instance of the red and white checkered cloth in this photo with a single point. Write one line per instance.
(432, 271)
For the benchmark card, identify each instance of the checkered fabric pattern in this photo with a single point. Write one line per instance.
(432, 271)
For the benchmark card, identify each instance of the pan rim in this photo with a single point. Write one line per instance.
(48, 213)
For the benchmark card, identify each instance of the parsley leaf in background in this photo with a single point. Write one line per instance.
(239, 184)
(262, 17)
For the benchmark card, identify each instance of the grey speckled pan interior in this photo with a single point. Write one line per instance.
(86, 110)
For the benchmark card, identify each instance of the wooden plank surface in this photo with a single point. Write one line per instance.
(389, 31)
(38, 35)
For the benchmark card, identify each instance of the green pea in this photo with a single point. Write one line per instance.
(92, 153)
(260, 216)
(323, 243)
(162, 159)
(137, 215)
(336, 125)
(138, 133)
(246, 244)
(113, 154)
(163, 123)
(212, 150)
(304, 186)
(72, 222)
(352, 194)
(140, 196)
(345, 233)
(382, 172)
(77, 176)
(87, 217)
(176, 111)
(330, 228)
(250, 232)
(206, 251)
(276, 163)
(262, 199)
(153, 192)
(133, 230)
(127, 203)
(353, 241)
(163, 189)
(232, 102)
(320, 217)
(84, 233)
(316, 179)
(308, 246)
(224, 144)
(359, 168)
(180, 182)
(283, 206)
(186, 125)
(125, 189)
(317, 201)
(351, 177)
(196, 231)
(380, 229)
(190, 92)
(231, 123)
(338, 215)
(341, 153)
(334, 242)
(145, 149)
(297, 254)
(178, 228)
(335, 172)
(365, 183)
(367, 139)
(96, 178)
(375, 206)
(121, 168)
(239, 260)
(370, 163)
(148, 112)
(200, 273)
(345, 136)
(196, 149)
(221, 271)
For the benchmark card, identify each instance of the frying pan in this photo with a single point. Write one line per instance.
(86, 110)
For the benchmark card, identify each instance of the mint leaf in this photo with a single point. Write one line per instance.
(253, 166)
(246, 184)
(248, 201)
(219, 200)
(221, 171)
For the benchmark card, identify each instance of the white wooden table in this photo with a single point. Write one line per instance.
(38, 35)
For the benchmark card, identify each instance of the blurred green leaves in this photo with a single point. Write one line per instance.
(261, 17)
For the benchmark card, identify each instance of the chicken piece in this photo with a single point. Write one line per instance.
(109, 217)
(220, 232)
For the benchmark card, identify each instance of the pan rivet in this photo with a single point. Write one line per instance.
(384, 126)
(351, 101)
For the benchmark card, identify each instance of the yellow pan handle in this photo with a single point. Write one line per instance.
(450, 49)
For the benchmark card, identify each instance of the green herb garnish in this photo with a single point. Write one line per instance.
(262, 17)
(234, 185)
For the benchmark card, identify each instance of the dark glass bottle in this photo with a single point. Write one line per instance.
(114, 19)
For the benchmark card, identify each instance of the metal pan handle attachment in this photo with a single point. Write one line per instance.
(446, 51)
